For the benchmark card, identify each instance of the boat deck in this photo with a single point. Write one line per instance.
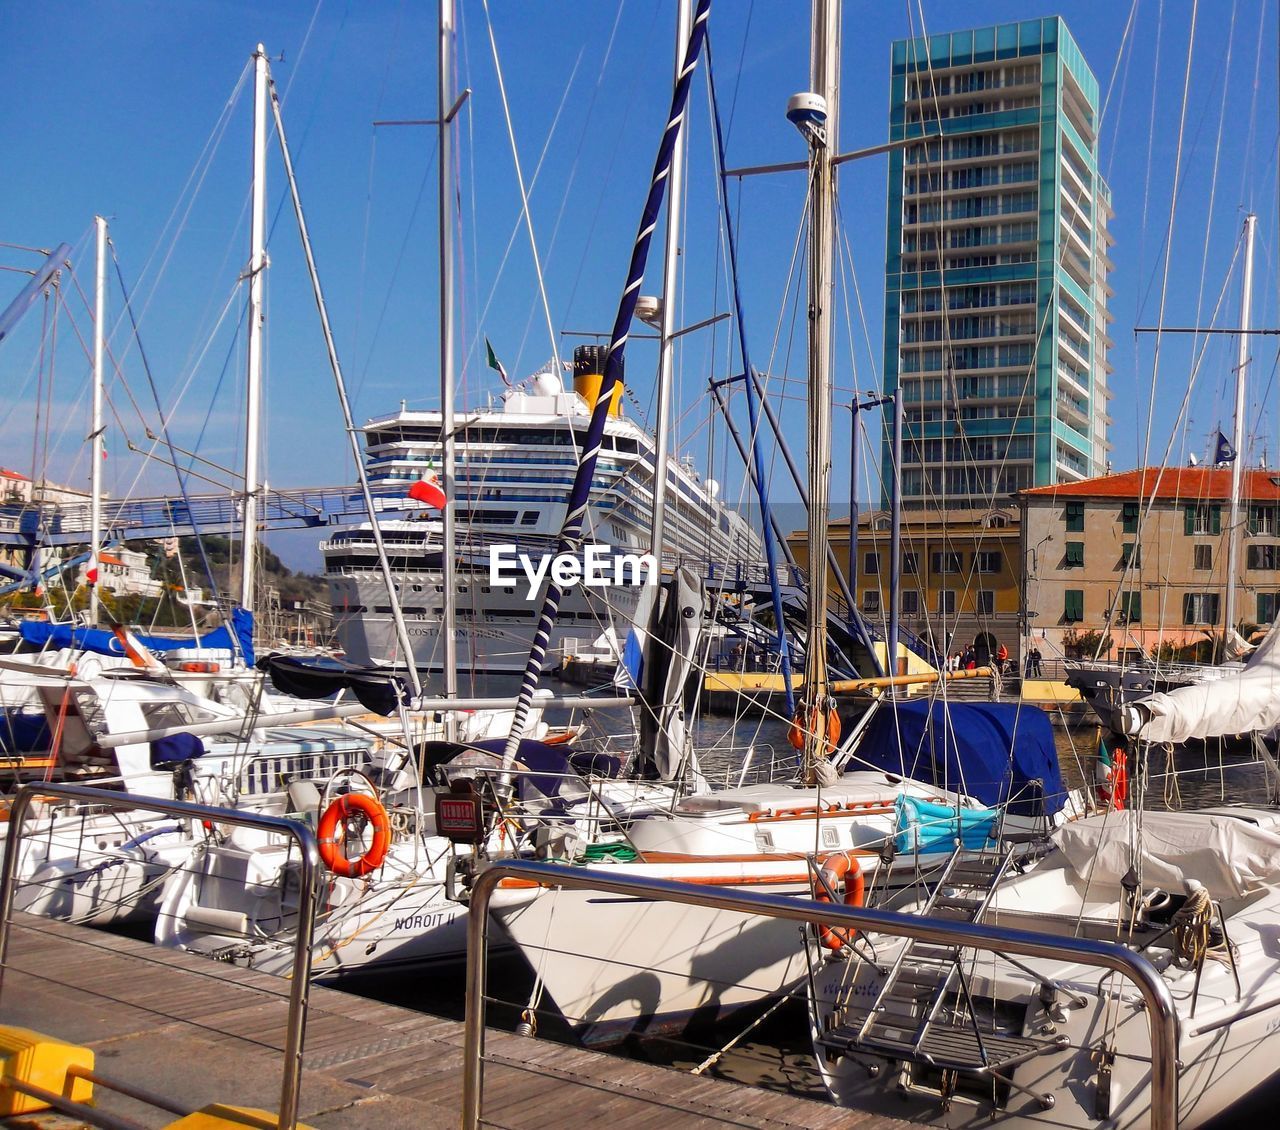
(200, 1032)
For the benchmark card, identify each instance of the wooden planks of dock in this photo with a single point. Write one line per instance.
(198, 1032)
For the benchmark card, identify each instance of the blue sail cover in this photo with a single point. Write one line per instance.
(996, 753)
(39, 633)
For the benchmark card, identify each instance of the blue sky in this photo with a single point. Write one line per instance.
(120, 100)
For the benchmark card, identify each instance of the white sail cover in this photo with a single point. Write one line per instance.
(1226, 855)
(1242, 703)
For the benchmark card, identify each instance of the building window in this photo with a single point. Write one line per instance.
(1129, 517)
(987, 562)
(947, 602)
(1130, 554)
(910, 564)
(946, 563)
(1200, 608)
(1074, 558)
(1130, 607)
(1200, 518)
(1204, 557)
(909, 602)
(1073, 606)
(1268, 606)
(1074, 516)
(871, 564)
(986, 602)
(871, 600)
(1261, 557)
(1262, 519)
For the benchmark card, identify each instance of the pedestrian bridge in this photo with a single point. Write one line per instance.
(33, 526)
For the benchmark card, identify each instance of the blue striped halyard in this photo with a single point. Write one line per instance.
(570, 540)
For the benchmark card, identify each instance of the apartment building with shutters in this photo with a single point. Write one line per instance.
(1141, 557)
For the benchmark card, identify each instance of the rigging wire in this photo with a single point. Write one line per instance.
(524, 194)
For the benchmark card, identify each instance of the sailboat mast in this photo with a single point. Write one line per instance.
(818, 122)
(670, 281)
(1237, 434)
(448, 626)
(253, 380)
(95, 454)
(335, 367)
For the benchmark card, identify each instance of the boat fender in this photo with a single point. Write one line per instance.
(843, 874)
(825, 724)
(332, 834)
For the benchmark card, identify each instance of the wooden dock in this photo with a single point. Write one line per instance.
(200, 1032)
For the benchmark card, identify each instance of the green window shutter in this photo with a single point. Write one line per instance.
(1131, 607)
(1129, 517)
(1073, 605)
(1215, 519)
(1189, 523)
(1188, 608)
(1075, 554)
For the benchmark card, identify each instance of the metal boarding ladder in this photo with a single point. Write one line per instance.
(903, 1020)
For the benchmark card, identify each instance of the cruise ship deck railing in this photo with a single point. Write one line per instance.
(308, 895)
(1161, 1016)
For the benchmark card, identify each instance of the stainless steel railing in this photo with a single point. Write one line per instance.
(1161, 1016)
(308, 896)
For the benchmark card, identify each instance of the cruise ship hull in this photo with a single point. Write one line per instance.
(495, 625)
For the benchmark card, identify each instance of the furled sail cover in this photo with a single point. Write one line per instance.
(374, 688)
(996, 753)
(39, 633)
(1245, 702)
(1227, 855)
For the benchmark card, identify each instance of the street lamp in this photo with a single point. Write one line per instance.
(895, 512)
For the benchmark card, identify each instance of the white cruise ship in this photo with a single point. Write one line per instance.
(515, 464)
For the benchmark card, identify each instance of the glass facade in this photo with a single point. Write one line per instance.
(996, 321)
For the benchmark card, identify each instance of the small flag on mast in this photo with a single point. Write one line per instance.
(495, 364)
(1224, 452)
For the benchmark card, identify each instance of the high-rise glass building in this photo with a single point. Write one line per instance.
(996, 264)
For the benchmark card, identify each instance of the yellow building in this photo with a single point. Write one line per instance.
(961, 575)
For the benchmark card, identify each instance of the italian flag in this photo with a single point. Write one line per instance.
(495, 364)
(428, 490)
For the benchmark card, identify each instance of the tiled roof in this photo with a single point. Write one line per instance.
(1181, 484)
(5, 473)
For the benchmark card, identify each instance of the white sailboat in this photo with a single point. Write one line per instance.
(957, 1037)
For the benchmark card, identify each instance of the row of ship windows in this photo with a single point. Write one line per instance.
(520, 437)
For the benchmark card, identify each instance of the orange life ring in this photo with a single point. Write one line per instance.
(799, 727)
(331, 839)
(839, 871)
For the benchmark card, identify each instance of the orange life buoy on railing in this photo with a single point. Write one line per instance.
(839, 871)
(331, 838)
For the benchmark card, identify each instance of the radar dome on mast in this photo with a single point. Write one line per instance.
(808, 113)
